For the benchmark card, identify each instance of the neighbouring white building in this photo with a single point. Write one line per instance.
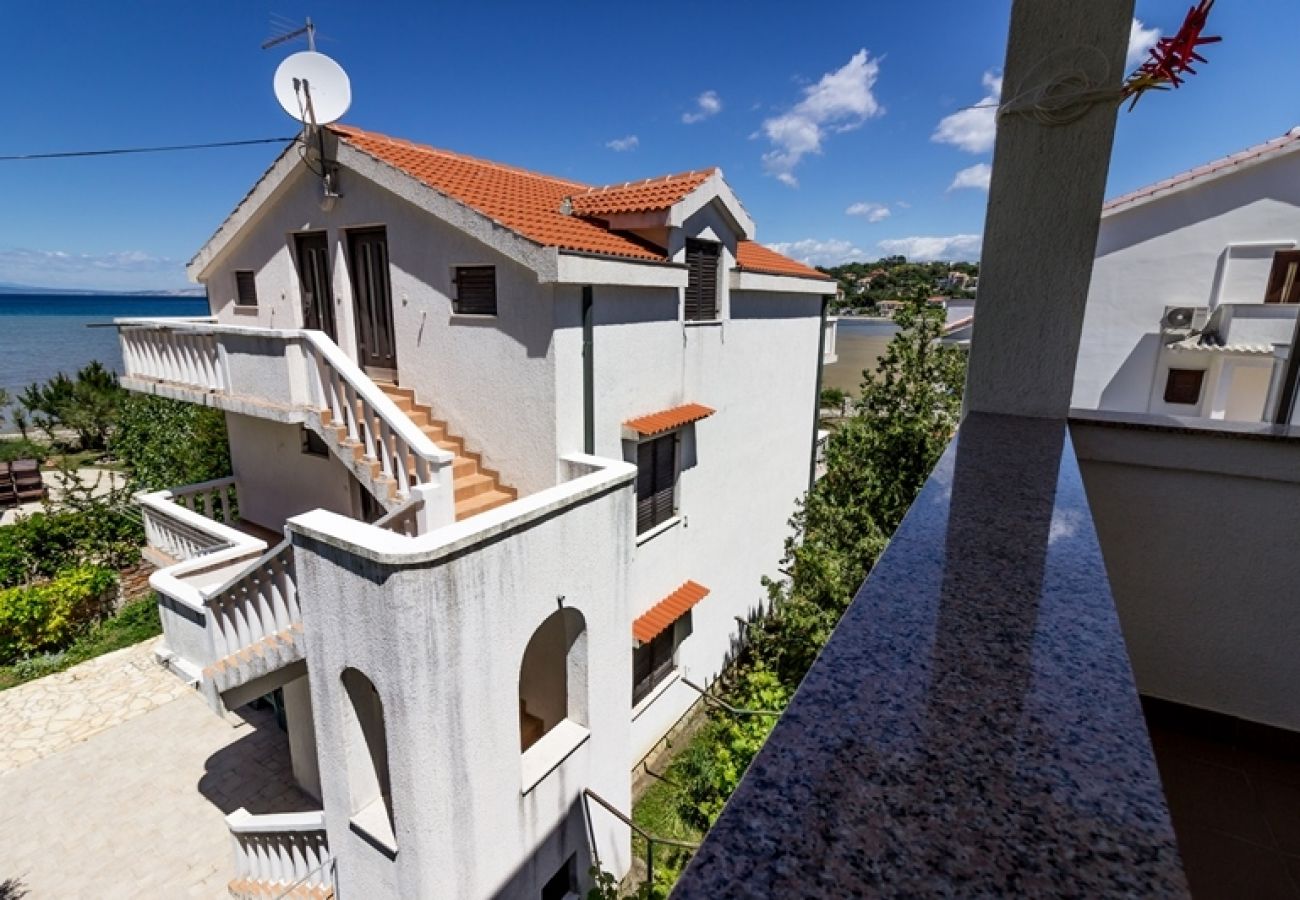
(1192, 308)
(511, 454)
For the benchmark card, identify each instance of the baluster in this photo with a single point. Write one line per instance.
(290, 574)
(216, 626)
(260, 585)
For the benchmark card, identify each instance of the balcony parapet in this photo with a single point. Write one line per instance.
(587, 477)
(280, 855)
(972, 725)
(292, 376)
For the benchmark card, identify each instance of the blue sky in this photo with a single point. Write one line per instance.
(810, 112)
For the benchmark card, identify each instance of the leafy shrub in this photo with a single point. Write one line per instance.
(45, 543)
(165, 443)
(21, 448)
(48, 616)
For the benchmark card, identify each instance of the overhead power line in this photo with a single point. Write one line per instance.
(68, 154)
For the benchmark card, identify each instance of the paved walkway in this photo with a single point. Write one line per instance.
(44, 716)
(134, 806)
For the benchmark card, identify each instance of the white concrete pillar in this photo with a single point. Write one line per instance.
(302, 735)
(1040, 233)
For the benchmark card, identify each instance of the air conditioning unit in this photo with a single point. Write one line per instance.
(1185, 318)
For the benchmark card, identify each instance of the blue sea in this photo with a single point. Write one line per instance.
(43, 334)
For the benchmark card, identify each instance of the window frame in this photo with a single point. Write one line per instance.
(695, 261)
(1173, 391)
(672, 440)
(1284, 278)
(644, 686)
(481, 309)
(245, 277)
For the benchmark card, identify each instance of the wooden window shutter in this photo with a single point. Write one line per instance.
(1284, 280)
(476, 290)
(656, 481)
(701, 280)
(245, 288)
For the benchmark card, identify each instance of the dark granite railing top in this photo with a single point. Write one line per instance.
(972, 727)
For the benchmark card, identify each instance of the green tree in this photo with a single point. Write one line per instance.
(876, 463)
(86, 405)
(166, 443)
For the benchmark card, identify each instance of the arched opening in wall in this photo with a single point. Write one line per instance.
(365, 744)
(553, 676)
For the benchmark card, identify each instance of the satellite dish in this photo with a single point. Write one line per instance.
(313, 88)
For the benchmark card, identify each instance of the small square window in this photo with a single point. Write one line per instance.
(313, 444)
(476, 290)
(1184, 386)
(245, 288)
(564, 883)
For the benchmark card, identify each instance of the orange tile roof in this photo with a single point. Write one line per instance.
(667, 611)
(668, 419)
(639, 196)
(525, 202)
(752, 256)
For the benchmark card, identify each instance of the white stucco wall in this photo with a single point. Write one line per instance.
(490, 378)
(443, 643)
(276, 480)
(1171, 252)
(743, 467)
(1199, 535)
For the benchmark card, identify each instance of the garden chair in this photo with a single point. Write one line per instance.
(27, 480)
(8, 495)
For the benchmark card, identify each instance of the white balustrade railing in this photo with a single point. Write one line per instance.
(260, 601)
(189, 522)
(282, 848)
(304, 369)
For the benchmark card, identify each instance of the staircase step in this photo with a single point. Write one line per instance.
(472, 485)
(481, 503)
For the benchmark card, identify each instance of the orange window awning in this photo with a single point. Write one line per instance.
(668, 419)
(663, 614)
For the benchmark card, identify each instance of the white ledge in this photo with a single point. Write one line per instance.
(550, 752)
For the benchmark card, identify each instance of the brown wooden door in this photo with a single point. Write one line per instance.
(314, 279)
(376, 341)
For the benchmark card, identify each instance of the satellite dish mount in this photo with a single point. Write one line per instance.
(314, 90)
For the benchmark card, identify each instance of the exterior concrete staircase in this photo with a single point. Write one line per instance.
(477, 488)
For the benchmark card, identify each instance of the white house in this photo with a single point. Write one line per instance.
(511, 454)
(1195, 290)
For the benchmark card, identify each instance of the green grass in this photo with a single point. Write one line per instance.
(656, 811)
(135, 622)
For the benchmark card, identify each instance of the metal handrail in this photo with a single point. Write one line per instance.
(734, 710)
(650, 839)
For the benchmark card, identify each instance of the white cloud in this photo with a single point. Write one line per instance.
(874, 212)
(707, 105)
(1140, 40)
(124, 270)
(619, 145)
(928, 249)
(902, 204)
(813, 252)
(977, 176)
(973, 129)
(841, 101)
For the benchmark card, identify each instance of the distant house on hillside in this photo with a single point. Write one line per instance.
(1195, 291)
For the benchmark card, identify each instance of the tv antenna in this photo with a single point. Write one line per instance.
(313, 89)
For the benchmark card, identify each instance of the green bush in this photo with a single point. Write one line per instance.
(165, 443)
(49, 616)
(45, 543)
(21, 448)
